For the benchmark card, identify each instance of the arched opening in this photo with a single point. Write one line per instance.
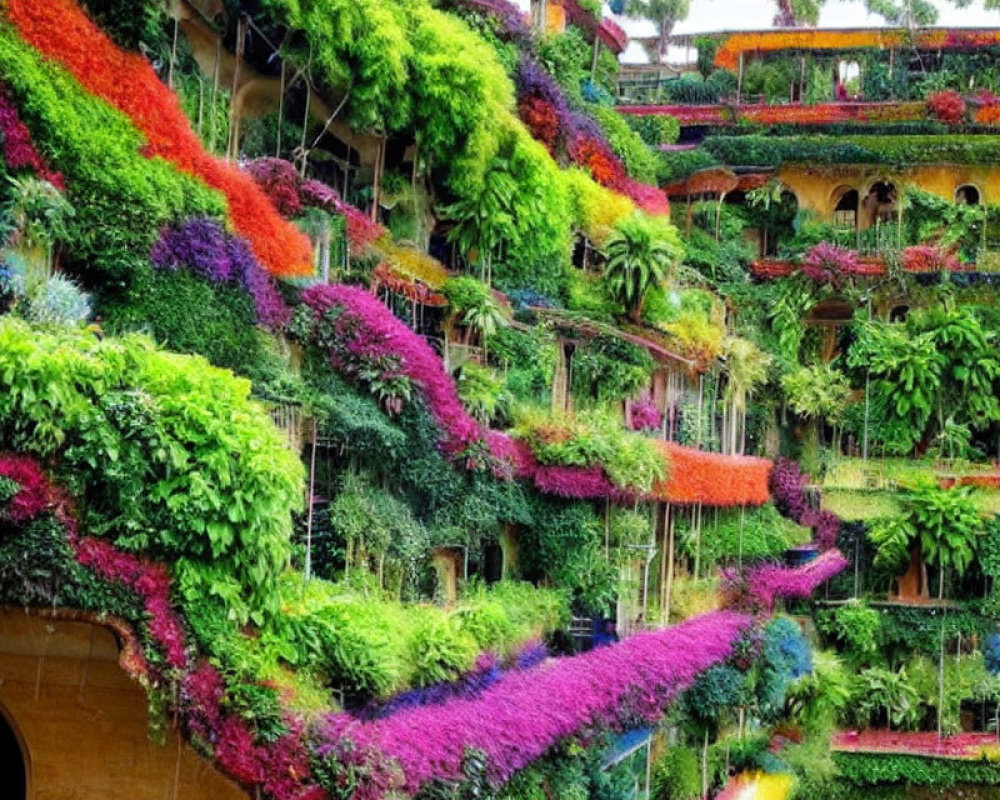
(13, 772)
(968, 195)
(845, 212)
(881, 203)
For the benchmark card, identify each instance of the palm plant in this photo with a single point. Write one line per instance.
(637, 260)
(746, 368)
(484, 221)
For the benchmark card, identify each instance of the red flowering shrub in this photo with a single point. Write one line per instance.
(927, 258)
(597, 157)
(542, 120)
(63, 33)
(828, 263)
(947, 107)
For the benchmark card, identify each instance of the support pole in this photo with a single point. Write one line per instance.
(312, 487)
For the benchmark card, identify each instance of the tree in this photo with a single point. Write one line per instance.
(945, 523)
(664, 14)
(798, 13)
(640, 255)
(907, 13)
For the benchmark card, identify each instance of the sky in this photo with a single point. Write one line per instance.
(734, 15)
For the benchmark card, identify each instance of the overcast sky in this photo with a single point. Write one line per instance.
(715, 15)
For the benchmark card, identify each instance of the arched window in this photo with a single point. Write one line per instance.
(881, 203)
(845, 213)
(13, 775)
(968, 195)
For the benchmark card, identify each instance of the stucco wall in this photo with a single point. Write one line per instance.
(818, 188)
(83, 721)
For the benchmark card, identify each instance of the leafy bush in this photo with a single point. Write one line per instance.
(855, 627)
(56, 302)
(655, 129)
(167, 455)
(677, 775)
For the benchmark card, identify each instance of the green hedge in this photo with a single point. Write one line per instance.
(897, 151)
(871, 769)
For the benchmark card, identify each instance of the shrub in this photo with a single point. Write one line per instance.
(947, 107)
(167, 455)
(677, 775)
(58, 301)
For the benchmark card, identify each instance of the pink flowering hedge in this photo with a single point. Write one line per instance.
(363, 334)
(760, 586)
(523, 716)
(915, 743)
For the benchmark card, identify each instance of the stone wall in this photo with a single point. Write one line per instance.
(82, 721)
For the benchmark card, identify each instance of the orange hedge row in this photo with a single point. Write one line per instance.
(63, 33)
(713, 479)
(728, 54)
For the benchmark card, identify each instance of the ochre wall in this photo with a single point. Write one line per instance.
(83, 721)
(817, 187)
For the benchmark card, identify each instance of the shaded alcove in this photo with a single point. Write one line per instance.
(13, 774)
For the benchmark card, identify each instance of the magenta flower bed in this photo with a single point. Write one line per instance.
(18, 149)
(963, 745)
(763, 584)
(520, 718)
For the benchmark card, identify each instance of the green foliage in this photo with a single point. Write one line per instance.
(378, 532)
(655, 129)
(565, 545)
(38, 211)
(758, 534)
(639, 159)
(907, 373)
(609, 369)
(165, 454)
(473, 304)
(528, 358)
(856, 628)
(891, 151)
(483, 394)
(818, 700)
(641, 254)
(189, 315)
(717, 692)
(131, 23)
(819, 392)
(869, 770)
(884, 697)
(677, 775)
